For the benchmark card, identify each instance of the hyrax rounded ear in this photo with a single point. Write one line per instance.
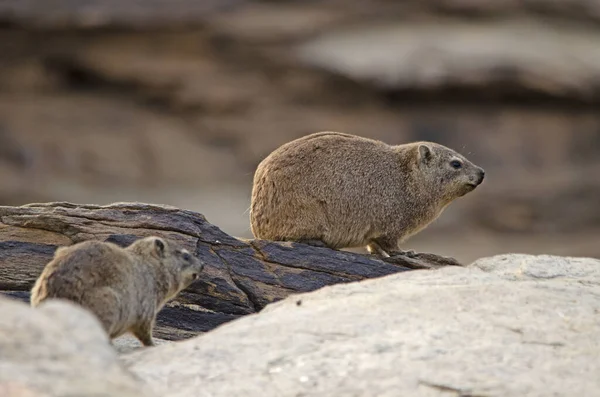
(424, 153)
(159, 247)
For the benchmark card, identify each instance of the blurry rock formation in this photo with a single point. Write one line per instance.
(176, 102)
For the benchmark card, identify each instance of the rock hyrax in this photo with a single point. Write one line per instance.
(124, 287)
(341, 191)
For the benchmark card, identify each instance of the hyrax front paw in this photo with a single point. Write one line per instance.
(406, 253)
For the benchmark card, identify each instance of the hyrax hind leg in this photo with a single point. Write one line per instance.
(104, 303)
(386, 247)
(143, 331)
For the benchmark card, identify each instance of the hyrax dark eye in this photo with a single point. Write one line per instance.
(456, 164)
(186, 257)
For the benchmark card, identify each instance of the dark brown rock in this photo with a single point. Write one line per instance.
(240, 277)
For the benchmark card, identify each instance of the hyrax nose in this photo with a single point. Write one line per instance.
(481, 175)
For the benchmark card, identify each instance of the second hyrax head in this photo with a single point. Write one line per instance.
(179, 264)
(451, 172)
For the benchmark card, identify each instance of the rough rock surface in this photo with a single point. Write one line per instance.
(240, 276)
(511, 325)
(59, 350)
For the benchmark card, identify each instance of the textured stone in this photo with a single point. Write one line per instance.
(240, 277)
(57, 350)
(513, 325)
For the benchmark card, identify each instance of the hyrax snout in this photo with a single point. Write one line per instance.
(124, 287)
(341, 190)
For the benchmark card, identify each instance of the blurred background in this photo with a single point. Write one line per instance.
(177, 101)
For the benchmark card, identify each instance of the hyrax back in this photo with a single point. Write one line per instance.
(342, 191)
(124, 287)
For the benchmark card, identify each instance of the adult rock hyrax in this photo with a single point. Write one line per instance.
(341, 191)
(124, 287)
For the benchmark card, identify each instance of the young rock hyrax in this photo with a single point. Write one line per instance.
(124, 287)
(341, 191)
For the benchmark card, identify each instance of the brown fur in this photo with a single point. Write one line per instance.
(341, 191)
(124, 287)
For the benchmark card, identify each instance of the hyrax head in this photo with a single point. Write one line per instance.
(451, 173)
(177, 261)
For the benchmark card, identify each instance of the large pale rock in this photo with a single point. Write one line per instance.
(510, 325)
(59, 349)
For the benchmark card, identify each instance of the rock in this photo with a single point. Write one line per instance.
(511, 325)
(240, 277)
(434, 57)
(57, 350)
